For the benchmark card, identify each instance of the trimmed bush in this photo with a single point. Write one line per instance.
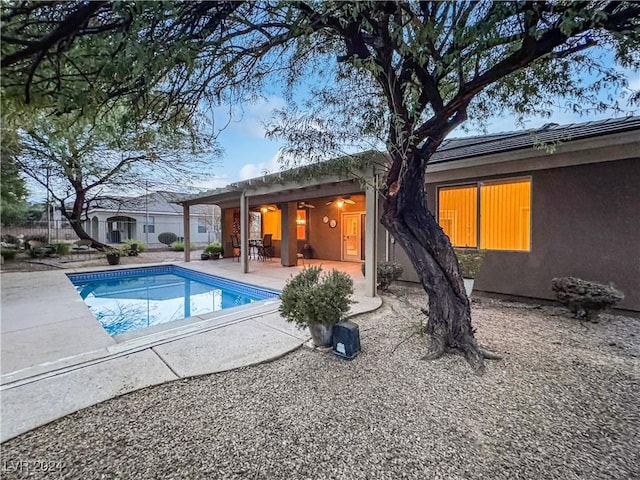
(583, 298)
(62, 248)
(313, 297)
(179, 246)
(213, 247)
(388, 272)
(8, 253)
(126, 247)
(470, 261)
(167, 238)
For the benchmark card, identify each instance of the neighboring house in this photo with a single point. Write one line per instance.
(540, 212)
(116, 220)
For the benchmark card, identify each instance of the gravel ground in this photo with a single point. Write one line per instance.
(563, 403)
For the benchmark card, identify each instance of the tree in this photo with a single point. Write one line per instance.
(78, 161)
(419, 69)
(13, 191)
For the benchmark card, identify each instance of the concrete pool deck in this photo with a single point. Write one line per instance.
(57, 359)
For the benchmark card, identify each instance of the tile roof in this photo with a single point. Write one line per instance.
(458, 148)
(159, 202)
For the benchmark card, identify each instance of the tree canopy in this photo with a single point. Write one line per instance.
(404, 73)
(77, 161)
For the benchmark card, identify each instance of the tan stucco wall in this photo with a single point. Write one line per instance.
(325, 241)
(585, 223)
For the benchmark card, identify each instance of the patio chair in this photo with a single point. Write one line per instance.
(235, 245)
(266, 249)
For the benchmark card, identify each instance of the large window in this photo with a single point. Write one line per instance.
(202, 225)
(503, 221)
(458, 213)
(151, 226)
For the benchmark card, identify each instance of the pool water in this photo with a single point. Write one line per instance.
(136, 298)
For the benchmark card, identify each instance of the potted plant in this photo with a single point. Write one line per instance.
(470, 262)
(113, 256)
(318, 301)
(214, 250)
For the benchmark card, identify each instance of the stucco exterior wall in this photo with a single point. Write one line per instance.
(585, 222)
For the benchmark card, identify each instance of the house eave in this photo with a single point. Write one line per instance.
(604, 148)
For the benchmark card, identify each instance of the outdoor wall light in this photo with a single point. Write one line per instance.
(264, 209)
(340, 203)
(346, 339)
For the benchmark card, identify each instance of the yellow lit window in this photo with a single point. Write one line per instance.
(505, 215)
(458, 213)
(301, 224)
(271, 224)
(504, 220)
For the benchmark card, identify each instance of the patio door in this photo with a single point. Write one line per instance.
(351, 237)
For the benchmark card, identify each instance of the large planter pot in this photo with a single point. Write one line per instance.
(205, 256)
(321, 334)
(113, 258)
(468, 285)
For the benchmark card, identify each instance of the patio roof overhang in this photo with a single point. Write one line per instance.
(301, 183)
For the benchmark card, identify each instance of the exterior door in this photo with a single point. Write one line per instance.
(351, 237)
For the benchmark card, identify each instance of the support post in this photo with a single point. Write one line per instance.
(289, 241)
(244, 233)
(187, 232)
(371, 239)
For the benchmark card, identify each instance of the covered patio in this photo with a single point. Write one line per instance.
(324, 219)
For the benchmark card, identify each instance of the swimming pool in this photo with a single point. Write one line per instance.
(135, 298)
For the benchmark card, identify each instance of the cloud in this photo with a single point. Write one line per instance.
(217, 181)
(248, 119)
(252, 170)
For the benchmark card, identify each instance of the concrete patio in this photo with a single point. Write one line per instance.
(57, 359)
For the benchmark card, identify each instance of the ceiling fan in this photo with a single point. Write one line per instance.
(268, 208)
(304, 204)
(341, 200)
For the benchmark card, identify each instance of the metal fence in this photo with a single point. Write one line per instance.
(115, 231)
(54, 231)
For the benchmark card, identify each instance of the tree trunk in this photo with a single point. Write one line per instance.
(407, 217)
(75, 220)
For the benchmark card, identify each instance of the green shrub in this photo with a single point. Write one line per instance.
(12, 239)
(62, 248)
(8, 253)
(388, 272)
(314, 298)
(167, 238)
(470, 261)
(213, 247)
(583, 298)
(179, 246)
(127, 250)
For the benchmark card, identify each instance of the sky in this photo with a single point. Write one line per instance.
(248, 154)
